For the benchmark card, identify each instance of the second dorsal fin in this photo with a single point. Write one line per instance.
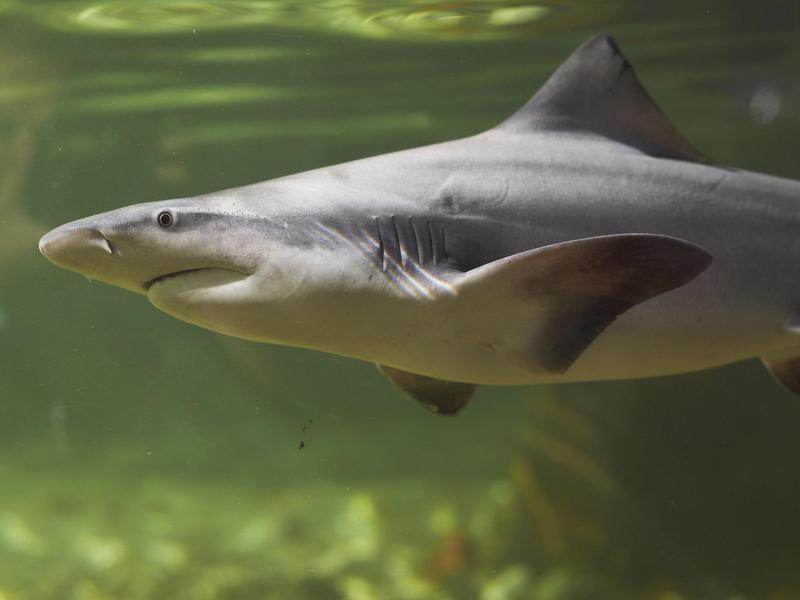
(595, 91)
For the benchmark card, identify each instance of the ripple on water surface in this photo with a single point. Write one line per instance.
(416, 19)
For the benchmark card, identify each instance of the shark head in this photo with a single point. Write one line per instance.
(208, 263)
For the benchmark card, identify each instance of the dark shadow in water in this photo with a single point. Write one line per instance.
(693, 480)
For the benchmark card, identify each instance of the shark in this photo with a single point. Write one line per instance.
(581, 239)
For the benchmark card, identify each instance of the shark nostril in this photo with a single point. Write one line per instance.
(93, 238)
(104, 243)
(73, 245)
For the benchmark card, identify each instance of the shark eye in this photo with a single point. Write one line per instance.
(165, 219)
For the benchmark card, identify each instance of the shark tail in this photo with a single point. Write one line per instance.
(786, 371)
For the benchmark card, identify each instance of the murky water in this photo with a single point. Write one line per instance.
(144, 458)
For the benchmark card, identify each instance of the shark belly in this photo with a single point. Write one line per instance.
(688, 330)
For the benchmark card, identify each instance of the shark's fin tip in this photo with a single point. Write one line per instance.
(786, 371)
(437, 395)
(595, 92)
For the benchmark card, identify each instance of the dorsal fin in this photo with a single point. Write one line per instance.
(595, 91)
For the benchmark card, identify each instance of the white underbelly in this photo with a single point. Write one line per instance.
(676, 333)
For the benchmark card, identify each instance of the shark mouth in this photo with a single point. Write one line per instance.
(175, 274)
(167, 276)
(160, 278)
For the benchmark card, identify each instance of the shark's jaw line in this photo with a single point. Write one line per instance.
(147, 285)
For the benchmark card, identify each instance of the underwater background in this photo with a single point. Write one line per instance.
(142, 458)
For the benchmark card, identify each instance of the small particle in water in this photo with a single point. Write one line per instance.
(765, 104)
(303, 430)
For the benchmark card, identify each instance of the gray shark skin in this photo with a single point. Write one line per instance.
(581, 239)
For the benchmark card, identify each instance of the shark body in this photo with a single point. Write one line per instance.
(581, 239)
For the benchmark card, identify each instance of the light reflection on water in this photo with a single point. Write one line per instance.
(179, 97)
(243, 54)
(418, 19)
(229, 132)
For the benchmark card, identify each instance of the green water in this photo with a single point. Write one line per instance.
(143, 458)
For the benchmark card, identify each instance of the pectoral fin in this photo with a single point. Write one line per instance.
(544, 307)
(437, 395)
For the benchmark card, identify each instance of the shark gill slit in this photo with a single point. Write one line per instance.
(425, 244)
(381, 249)
(434, 250)
(416, 245)
(402, 259)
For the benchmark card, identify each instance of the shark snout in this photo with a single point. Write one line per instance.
(75, 247)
